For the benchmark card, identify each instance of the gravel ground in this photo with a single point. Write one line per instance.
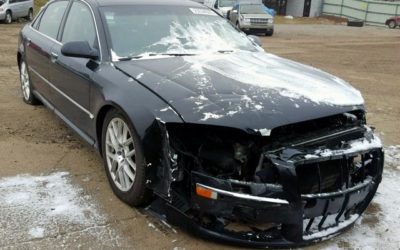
(54, 192)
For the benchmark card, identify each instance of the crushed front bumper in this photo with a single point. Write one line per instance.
(311, 202)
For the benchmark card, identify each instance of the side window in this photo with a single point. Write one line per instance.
(51, 18)
(12, 1)
(36, 22)
(79, 25)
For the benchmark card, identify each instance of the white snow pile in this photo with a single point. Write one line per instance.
(291, 79)
(392, 156)
(379, 226)
(48, 207)
(245, 62)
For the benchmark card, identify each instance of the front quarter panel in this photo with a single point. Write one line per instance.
(113, 88)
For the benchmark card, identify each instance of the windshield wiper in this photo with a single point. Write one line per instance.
(225, 51)
(177, 54)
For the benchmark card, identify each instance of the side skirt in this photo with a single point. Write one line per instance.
(78, 131)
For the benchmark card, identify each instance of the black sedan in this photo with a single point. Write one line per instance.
(192, 117)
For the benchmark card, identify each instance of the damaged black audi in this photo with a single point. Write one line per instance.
(194, 118)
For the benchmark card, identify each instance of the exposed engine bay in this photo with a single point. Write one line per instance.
(301, 184)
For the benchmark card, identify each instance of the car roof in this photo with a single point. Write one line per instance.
(187, 3)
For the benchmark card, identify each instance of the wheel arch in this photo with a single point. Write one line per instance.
(19, 59)
(101, 115)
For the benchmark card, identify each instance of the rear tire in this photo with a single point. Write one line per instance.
(8, 18)
(392, 24)
(29, 17)
(123, 159)
(26, 86)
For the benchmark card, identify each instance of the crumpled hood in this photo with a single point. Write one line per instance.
(246, 90)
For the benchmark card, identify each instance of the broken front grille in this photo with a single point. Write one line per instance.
(336, 174)
(336, 191)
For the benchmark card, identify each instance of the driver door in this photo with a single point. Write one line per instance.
(72, 76)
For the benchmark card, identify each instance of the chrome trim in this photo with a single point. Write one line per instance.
(62, 93)
(97, 30)
(244, 196)
(52, 39)
(339, 193)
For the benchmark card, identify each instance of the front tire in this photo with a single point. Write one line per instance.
(124, 159)
(26, 86)
(8, 18)
(392, 24)
(269, 33)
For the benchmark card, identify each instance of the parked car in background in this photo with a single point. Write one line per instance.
(393, 22)
(221, 6)
(252, 18)
(12, 9)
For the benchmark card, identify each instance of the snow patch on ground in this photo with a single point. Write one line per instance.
(392, 156)
(36, 232)
(49, 207)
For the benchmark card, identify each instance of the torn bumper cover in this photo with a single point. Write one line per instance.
(319, 195)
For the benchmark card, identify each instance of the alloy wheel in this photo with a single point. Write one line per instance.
(25, 86)
(392, 24)
(120, 154)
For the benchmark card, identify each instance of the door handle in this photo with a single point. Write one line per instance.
(54, 56)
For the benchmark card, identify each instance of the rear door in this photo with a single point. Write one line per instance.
(39, 42)
(15, 8)
(25, 5)
(72, 76)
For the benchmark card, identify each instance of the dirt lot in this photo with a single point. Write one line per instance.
(33, 142)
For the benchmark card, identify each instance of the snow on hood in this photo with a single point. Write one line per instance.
(250, 65)
(291, 79)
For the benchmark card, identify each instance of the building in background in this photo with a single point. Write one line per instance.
(307, 8)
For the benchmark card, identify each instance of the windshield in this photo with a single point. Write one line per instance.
(136, 31)
(252, 9)
(226, 3)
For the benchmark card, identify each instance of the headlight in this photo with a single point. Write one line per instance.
(246, 20)
(271, 21)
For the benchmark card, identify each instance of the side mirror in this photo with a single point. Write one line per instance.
(80, 49)
(255, 39)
